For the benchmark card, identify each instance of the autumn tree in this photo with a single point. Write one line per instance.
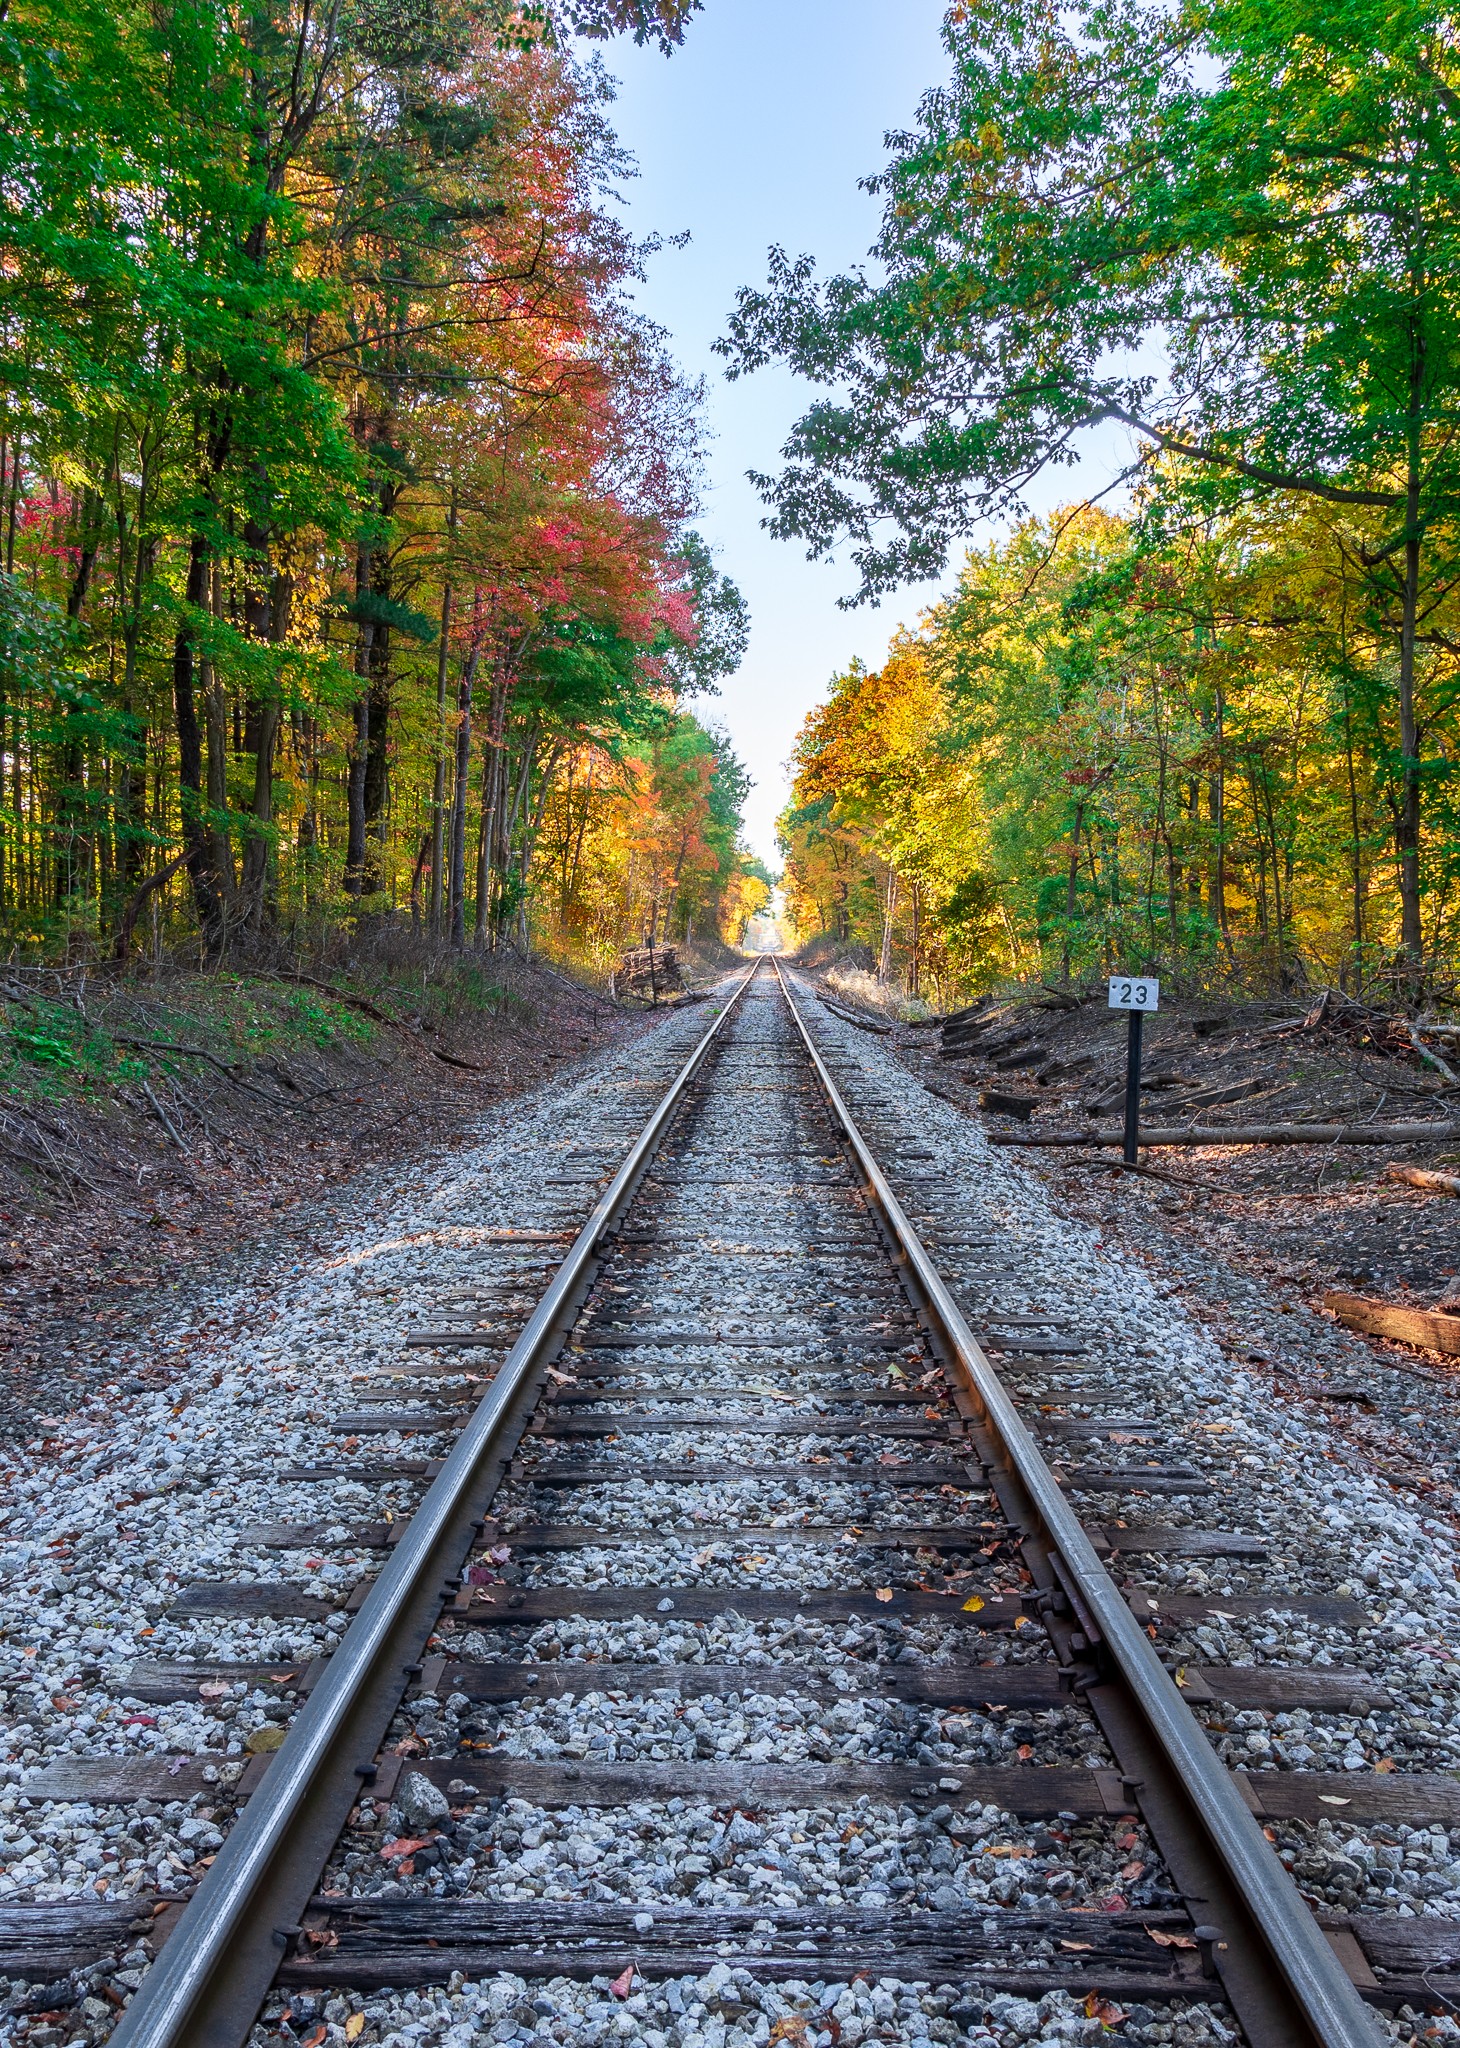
(1231, 229)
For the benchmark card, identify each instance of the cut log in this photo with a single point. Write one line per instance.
(1025, 1056)
(1429, 1329)
(1247, 1134)
(999, 1103)
(854, 1017)
(1059, 1070)
(982, 1038)
(649, 973)
(1422, 1177)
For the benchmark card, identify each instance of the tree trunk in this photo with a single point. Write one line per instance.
(459, 796)
(494, 770)
(253, 886)
(889, 908)
(355, 829)
(438, 782)
(1217, 806)
(196, 845)
(1070, 881)
(1411, 925)
(267, 609)
(1357, 849)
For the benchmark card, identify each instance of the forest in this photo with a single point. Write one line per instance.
(1204, 718)
(349, 578)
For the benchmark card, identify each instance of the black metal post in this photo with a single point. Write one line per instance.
(1133, 1087)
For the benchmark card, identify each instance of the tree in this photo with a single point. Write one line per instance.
(345, 499)
(1232, 228)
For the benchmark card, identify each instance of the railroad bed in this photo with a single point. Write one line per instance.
(682, 1637)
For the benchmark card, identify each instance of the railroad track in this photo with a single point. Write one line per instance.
(760, 1456)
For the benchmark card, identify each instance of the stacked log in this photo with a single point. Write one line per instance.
(649, 974)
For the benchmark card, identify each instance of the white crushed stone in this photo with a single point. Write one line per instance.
(102, 1531)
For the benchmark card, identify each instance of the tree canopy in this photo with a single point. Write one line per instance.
(346, 501)
(1227, 228)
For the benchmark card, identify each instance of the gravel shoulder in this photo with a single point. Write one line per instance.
(143, 1489)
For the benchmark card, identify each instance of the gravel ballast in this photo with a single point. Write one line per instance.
(140, 1495)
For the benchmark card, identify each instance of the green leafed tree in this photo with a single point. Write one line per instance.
(1230, 229)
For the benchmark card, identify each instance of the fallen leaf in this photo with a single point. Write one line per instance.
(1385, 1763)
(884, 1593)
(1077, 1948)
(1332, 1799)
(1024, 1752)
(403, 1845)
(973, 1604)
(1131, 1871)
(622, 1986)
(1100, 2008)
(214, 1689)
(354, 2026)
(791, 2028)
(313, 2040)
(1164, 1940)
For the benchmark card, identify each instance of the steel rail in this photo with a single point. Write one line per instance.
(206, 1985)
(1324, 2001)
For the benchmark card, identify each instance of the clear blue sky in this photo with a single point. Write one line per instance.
(756, 131)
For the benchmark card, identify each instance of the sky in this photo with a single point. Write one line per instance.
(756, 131)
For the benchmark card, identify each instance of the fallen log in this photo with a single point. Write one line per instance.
(1430, 1329)
(854, 1017)
(648, 973)
(999, 1102)
(1247, 1134)
(1421, 1177)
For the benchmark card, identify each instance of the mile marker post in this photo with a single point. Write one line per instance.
(1135, 994)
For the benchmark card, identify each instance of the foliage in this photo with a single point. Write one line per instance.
(345, 499)
(1231, 229)
(1112, 747)
(1225, 226)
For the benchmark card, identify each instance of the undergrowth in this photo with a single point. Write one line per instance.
(78, 1034)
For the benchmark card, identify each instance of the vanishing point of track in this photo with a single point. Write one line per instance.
(880, 1401)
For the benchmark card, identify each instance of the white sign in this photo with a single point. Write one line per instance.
(1134, 992)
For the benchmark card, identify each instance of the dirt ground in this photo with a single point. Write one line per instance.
(157, 1181)
(1307, 1217)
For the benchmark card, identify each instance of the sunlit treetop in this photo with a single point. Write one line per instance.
(1230, 226)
